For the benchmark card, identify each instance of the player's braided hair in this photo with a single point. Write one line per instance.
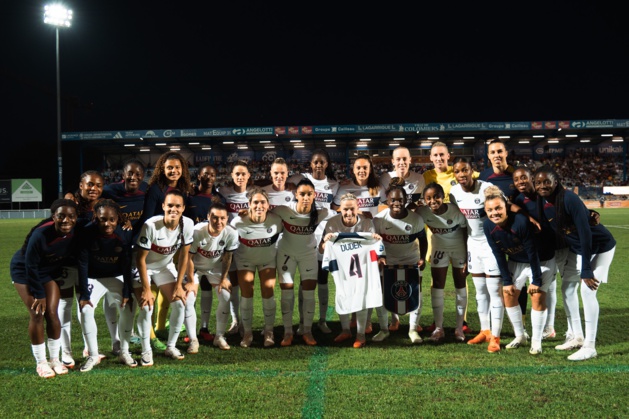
(83, 204)
(109, 203)
(397, 183)
(563, 219)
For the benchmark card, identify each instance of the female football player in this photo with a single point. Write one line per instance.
(34, 269)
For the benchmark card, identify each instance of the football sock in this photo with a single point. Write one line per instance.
(145, 327)
(590, 313)
(361, 321)
(125, 325)
(65, 318)
(383, 318)
(461, 306)
(300, 304)
(437, 298)
(177, 313)
(515, 316)
(497, 307)
(111, 317)
(234, 303)
(344, 319)
(190, 316)
(246, 312)
(222, 311)
(54, 346)
(90, 332)
(538, 320)
(571, 305)
(269, 307)
(323, 294)
(551, 303)
(206, 308)
(309, 309)
(287, 305)
(39, 352)
(482, 302)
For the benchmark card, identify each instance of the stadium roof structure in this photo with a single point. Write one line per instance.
(351, 137)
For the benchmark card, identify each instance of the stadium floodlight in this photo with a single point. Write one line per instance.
(269, 146)
(504, 137)
(206, 148)
(129, 145)
(329, 140)
(58, 16)
(523, 141)
(584, 141)
(398, 139)
(195, 143)
(330, 145)
(572, 135)
(607, 135)
(394, 144)
(432, 138)
(160, 144)
(538, 136)
(618, 140)
(468, 138)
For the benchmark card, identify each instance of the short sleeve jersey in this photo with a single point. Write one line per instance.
(365, 201)
(163, 242)
(400, 236)
(472, 205)
(414, 185)
(446, 228)
(298, 238)
(277, 198)
(235, 200)
(208, 250)
(257, 240)
(325, 189)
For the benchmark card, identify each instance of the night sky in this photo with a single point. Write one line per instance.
(141, 65)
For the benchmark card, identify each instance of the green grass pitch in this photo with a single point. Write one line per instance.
(389, 379)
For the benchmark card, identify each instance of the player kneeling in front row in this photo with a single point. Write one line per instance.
(160, 238)
(211, 255)
(512, 234)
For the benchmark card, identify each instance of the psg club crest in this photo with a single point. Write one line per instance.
(401, 288)
(269, 230)
(221, 243)
(453, 182)
(477, 201)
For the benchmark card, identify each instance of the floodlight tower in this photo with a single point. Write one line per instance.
(58, 16)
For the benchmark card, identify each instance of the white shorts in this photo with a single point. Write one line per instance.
(110, 286)
(166, 275)
(480, 258)
(442, 258)
(287, 266)
(600, 265)
(252, 265)
(69, 278)
(212, 277)
(521, 271)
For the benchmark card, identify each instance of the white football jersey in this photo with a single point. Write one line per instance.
(257, 240)
(163, 242)
(365, 201)
(325, 189)
(297, 237)
(472, 205)
(207, 251)
(235, 200)
(353, 262)
(446, 228)
(277, 198)
(400, 236)
(414, 185)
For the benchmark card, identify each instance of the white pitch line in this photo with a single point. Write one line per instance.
(622, 227)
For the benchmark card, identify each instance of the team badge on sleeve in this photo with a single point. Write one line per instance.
(401, 288)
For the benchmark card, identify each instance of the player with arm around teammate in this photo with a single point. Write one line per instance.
(33, 271)
(449, 246)
(258, 232)
(326, 186)
(591, 253)
(160, 238)
(105, 269)
(298, 249)
(469, 196)
(350, 220)
(510, 234)
(405, 243)
(211, 256)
